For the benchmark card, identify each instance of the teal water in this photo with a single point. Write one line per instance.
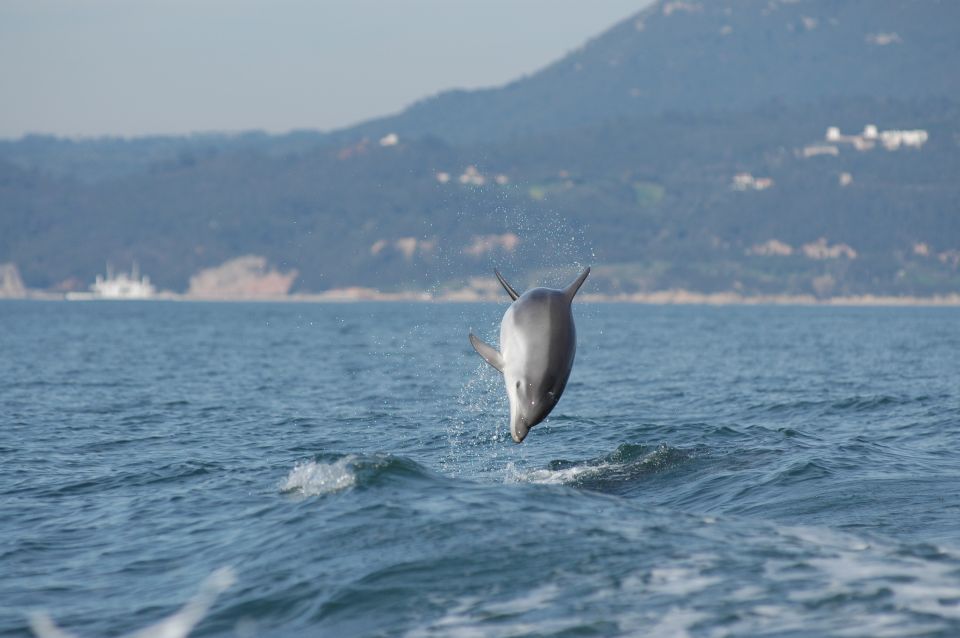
(782, 471)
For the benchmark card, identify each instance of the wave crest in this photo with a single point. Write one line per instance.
(312, 478)
(627, 463)
(320, 476)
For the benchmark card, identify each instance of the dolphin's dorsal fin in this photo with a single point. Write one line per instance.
(510, 291)
(571, 290)
(488, 352)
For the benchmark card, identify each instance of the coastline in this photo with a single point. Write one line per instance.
(658, 298)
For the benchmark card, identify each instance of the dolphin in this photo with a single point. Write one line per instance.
(538, 342)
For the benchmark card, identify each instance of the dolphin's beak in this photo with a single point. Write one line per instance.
(519, 429)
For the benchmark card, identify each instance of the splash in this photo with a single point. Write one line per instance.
(564, 476)
(313, 479)
(179, 625)
(625, 464)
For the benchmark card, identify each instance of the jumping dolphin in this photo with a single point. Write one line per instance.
(538, 342)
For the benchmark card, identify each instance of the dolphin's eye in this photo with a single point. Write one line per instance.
(518, 385)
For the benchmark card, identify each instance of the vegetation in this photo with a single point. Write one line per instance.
(572, 161)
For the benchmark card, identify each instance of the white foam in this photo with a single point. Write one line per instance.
(313, 479)
(848, 566)
(538, 598)
(563, 476)
(835, 566)
(676, 622)
(575, 473)
(917, 585)
(469, 616)
(679, 581)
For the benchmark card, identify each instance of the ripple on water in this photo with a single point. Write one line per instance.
(363, 490)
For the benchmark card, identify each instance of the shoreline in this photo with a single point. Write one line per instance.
(658, 298)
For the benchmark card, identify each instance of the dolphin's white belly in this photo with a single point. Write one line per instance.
(524, 344)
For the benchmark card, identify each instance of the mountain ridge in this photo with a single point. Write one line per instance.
(681, 59)
(661, 65)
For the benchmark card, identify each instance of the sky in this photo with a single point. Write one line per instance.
(83, 68)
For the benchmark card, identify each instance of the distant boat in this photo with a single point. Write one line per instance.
(118, 286)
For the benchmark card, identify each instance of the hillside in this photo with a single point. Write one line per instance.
(689, 57)
(717, 174)
(698, 57)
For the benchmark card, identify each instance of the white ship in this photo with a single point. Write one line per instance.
(118, 286)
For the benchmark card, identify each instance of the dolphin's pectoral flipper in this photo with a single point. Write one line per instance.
(572, 289)
(489, 353)
(510, 291)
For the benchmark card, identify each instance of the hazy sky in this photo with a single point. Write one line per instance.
(125, 67)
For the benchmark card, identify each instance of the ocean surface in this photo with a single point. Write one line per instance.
(346, 470)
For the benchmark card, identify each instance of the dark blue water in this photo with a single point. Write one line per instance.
(709, 472)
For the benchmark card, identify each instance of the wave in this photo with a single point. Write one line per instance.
(628, 463)
(328, 475)
(311, 478)
(134, 475)
(856, 403)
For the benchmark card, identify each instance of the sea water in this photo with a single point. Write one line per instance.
(347, 470)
